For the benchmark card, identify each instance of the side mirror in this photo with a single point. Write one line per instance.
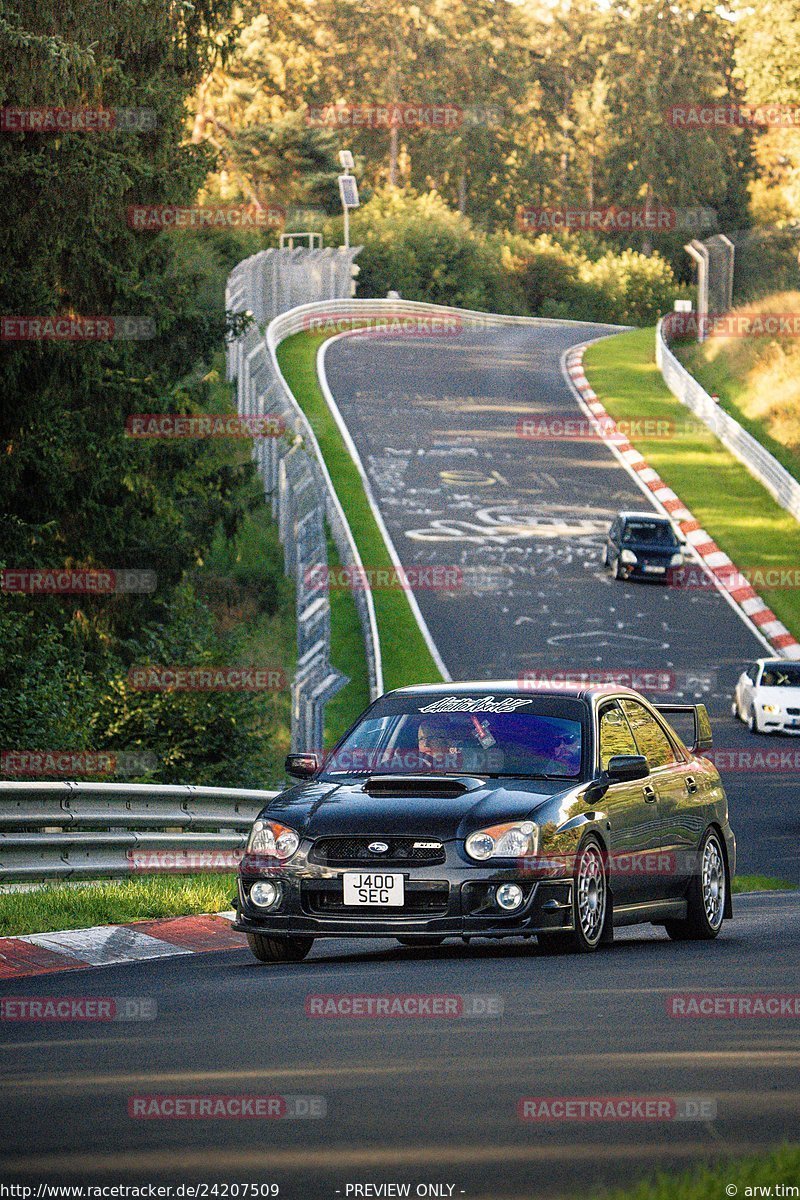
(623, 768)
(302, 766)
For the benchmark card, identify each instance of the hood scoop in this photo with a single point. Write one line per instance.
(444, 787)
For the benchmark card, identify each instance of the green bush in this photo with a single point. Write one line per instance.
(419, 246)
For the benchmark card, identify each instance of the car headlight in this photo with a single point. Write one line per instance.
(627, 556)
(273, 840)
(771, 708)
(517, 839)
(676, 560)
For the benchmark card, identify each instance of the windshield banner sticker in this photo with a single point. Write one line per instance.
(471, 704)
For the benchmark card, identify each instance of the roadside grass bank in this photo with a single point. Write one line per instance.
(112, 902)
(731, 505)
(760, 883)
(743, 1177)
(406, 657)
(757, 380)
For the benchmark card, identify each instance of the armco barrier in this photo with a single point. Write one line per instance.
(64, 830)
(759, 462)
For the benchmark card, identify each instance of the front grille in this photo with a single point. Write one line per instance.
(354, 852)
(326, 898)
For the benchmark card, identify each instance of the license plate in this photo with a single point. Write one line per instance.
(375, 888)
(654, 570)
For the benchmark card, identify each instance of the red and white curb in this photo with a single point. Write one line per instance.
(716, 561)
(106, 945)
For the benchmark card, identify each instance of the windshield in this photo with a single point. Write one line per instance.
(781, 676)
(656, 533)
(536, 737)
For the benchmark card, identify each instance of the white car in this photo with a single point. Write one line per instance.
(767, 696)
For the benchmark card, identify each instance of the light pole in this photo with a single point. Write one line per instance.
(348, 191)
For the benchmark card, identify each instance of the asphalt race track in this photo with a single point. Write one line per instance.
(435, 423)
(435, 1100)
(417, 1100)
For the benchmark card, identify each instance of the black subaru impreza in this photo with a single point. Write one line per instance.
(491, 810)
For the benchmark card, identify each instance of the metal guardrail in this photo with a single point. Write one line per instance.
(767, 470)
(65, 830)
(294, 474)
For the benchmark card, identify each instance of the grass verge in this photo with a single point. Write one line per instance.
(736, 510)
(779, 1166)
(761, 883)
(113, 902)
(757, 380)
(406, 657)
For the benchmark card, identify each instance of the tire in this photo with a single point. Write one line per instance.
(606, 559)
(279, 949)
(706, 896)
(590, 906)
(420, 942)
(752, 722)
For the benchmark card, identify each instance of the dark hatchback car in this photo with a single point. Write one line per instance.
(643, 545)
(486, 810)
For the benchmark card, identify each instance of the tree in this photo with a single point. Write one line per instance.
(659, 54)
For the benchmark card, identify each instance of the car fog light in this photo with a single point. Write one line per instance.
(509, 896)
(265, 895)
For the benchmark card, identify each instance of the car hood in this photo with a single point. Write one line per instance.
(779, 695)
(318, 809)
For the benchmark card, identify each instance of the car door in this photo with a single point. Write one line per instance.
(612, 542)
(632, 809)
(745, 689)
(675, 782)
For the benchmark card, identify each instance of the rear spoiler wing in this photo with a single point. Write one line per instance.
(703, 738)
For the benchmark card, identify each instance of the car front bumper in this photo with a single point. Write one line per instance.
(779, 723)
(445, 901)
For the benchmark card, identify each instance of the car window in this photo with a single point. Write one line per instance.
(508, 735)
(653, 743)
(781, 675)
(652, 533)
(615, 735)
(752, 672)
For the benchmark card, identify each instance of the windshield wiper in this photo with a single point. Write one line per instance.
(521, 775)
